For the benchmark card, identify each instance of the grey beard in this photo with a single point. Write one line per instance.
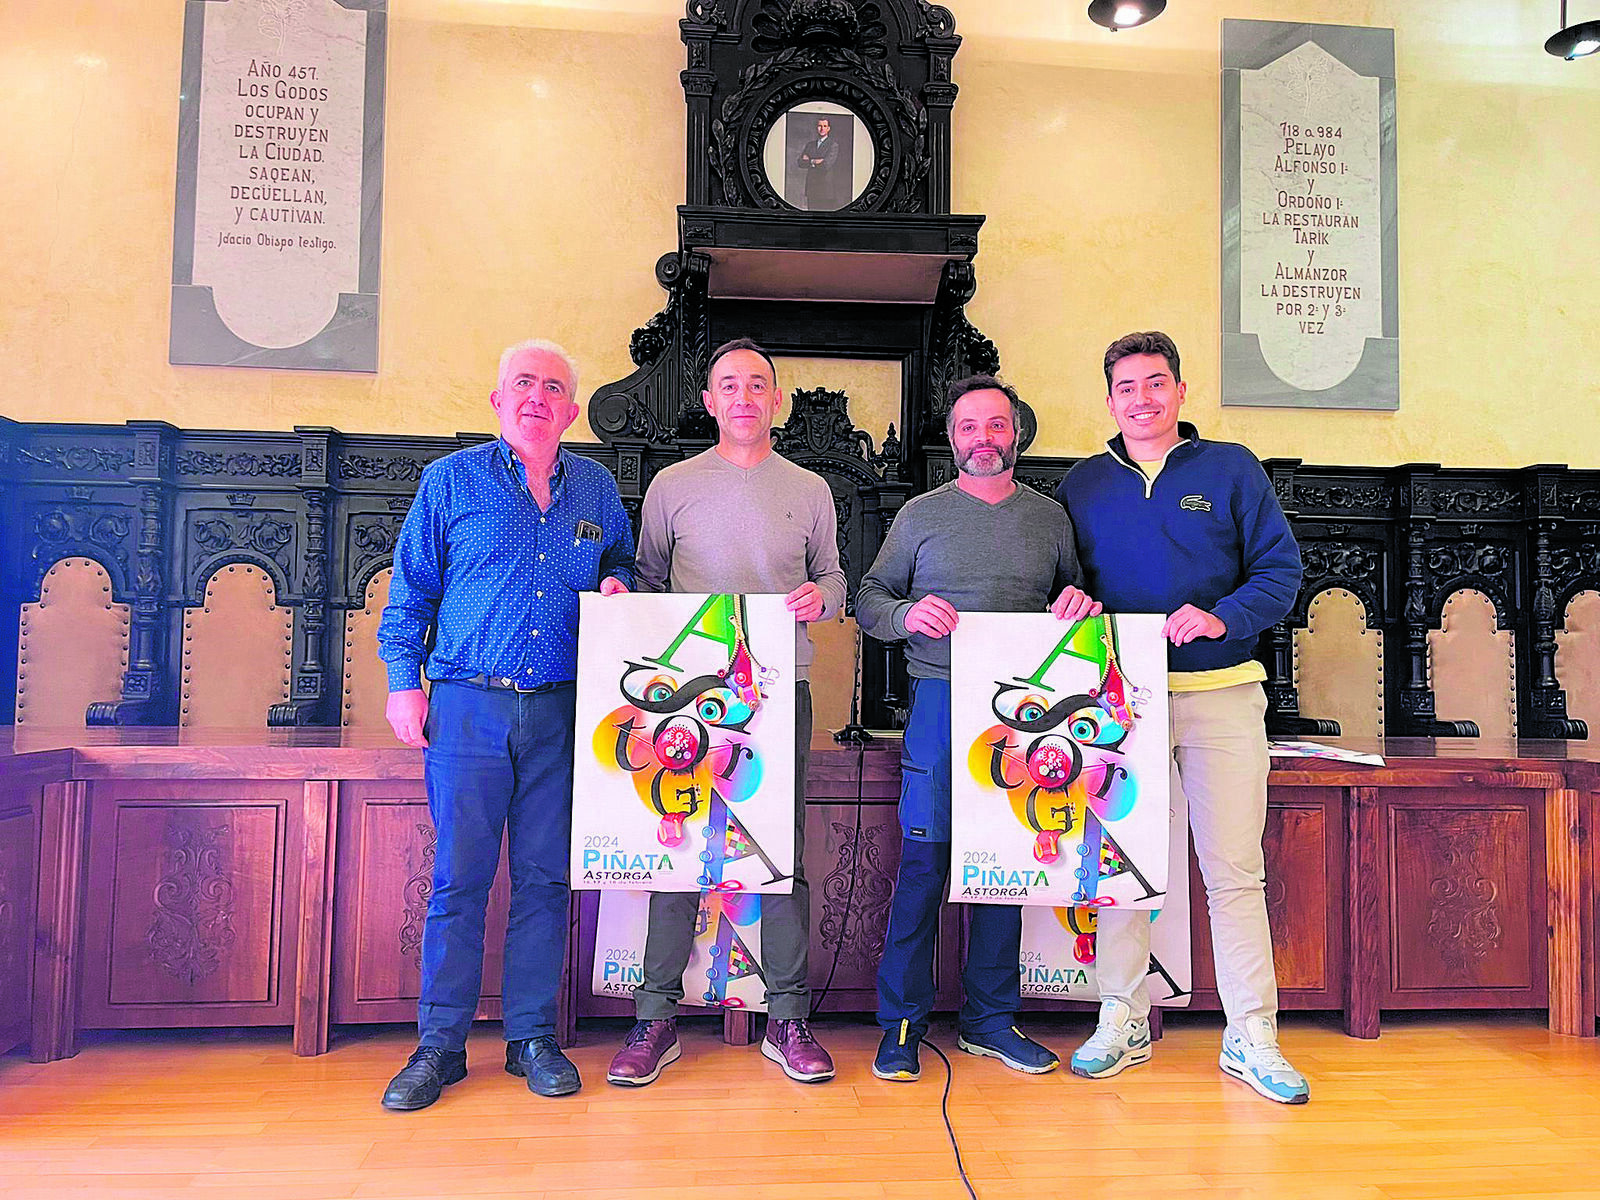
(1007, 456)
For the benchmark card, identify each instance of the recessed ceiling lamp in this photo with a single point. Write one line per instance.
(1573, 41)
(1125, 14)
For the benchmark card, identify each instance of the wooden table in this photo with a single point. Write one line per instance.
(165, 878)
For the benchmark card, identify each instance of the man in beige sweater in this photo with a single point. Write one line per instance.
(740, 518)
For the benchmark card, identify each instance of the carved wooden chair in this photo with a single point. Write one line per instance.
(72, 646)
(1578, 659)
(833, 674)
(237, 651)
(366, 684)
(1472, 666)
(1338, 664)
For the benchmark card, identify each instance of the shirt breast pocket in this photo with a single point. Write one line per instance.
(581, 568)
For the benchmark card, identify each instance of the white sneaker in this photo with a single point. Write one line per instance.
(1254, 1057)
(1118, 1042)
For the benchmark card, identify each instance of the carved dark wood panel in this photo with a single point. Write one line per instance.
(194, 914)
(1466, 899)
(19, 856)
(1401, 538)
(1304, 846)
(384, 880)
(852, 880)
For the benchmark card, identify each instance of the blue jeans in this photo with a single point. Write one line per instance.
(498, 763)
(991, 977)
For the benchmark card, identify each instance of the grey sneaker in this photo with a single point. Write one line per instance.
(1253, 1056)
(1117, 1043)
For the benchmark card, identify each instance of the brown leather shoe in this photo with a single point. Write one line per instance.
(791, 1045)
(649, 1047)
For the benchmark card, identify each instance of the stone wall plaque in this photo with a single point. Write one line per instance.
(1310, 259)
(280, 184)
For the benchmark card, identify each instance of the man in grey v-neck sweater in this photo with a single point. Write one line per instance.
(981, 543)
(740, 518)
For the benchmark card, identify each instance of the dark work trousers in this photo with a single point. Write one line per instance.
(991, 977)
(497, 762)
(785, 920)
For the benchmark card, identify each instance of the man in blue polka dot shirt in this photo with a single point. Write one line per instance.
(484, 602)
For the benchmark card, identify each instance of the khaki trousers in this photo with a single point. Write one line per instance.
(1219, 752)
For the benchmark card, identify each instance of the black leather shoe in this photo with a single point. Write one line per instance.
(426, 1073)
(548, 1071)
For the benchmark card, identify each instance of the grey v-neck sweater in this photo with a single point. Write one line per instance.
(1014, 556)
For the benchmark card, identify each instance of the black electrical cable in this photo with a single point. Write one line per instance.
(851, 734)
(944, 1109)
(854, 734)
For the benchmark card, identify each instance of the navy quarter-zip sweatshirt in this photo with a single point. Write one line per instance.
(1207, 531)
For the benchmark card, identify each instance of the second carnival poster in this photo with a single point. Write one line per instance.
(1062, 758)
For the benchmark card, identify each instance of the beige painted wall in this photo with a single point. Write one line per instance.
(535, 153)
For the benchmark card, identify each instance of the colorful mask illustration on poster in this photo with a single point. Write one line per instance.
(1061, 946)
(1064, 799)
(724, 968)
(688, 781)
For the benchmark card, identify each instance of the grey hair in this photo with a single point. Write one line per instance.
(548, 347)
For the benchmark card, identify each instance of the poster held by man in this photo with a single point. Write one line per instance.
(685, 761)
(725, 968)
(1063, 726)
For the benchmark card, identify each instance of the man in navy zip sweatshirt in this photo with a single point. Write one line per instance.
(1168, 522)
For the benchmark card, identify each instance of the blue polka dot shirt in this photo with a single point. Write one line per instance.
(494, 577)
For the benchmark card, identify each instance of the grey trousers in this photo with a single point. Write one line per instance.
(785, 920)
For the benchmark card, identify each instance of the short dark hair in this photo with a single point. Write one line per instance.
(739, 344)
(1150, 342)
(980, 383)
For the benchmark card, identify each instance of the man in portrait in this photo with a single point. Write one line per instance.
(825, 171)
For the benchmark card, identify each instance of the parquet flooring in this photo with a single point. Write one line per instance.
(1440, 1106)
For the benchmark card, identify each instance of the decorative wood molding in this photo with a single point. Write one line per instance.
(63, 884)
(1402, 539)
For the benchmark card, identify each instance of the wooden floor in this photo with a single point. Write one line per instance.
(1477, 1106)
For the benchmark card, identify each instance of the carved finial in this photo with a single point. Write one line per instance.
(888, 459)
(784, 23)
(706, 12)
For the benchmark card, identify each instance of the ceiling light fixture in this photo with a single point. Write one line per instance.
(1125, 14)
(1574, 41)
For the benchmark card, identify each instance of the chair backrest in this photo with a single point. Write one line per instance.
(833, 674)
(238, 650)
(366, 684)
(72, 646)
(1472, 666)
(1578, 659)
(1338, 664)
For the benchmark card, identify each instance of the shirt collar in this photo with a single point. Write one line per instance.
(508, 456)
(1188, 437)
